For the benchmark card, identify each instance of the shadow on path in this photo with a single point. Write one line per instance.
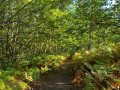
(59, 80)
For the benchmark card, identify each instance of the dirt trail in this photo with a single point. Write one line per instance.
(59, 80)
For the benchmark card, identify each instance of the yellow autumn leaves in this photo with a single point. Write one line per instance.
(29, 0)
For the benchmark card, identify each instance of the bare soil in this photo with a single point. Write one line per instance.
(57, 80)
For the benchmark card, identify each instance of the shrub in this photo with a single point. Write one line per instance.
(101, 68)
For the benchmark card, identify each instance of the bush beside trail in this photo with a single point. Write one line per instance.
(18, 76)
(98, 68)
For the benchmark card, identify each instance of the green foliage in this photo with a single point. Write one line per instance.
(35, 60)
(33, 74)
(36, 33)
(45, 69)
(28, 70)
(101, 67)
(52, 62)
(9, 82)
(2, 84)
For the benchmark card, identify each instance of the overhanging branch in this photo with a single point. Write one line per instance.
(17, 12)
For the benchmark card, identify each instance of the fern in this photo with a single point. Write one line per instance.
(2, 85)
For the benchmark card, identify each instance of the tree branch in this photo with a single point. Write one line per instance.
(32, 11)
(17, 12)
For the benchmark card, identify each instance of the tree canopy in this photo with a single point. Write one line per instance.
(29, 28)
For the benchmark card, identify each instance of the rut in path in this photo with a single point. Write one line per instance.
(59, 80)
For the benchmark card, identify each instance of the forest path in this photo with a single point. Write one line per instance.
(58, 80)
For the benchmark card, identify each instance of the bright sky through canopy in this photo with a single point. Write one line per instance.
(110, 3)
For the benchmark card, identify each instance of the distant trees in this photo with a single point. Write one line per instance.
(97, 18)
(31, 27)
(24, 28)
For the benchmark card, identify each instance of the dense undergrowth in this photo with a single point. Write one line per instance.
(34, 34)
(98, 69)
(94, 70)
(17, 76)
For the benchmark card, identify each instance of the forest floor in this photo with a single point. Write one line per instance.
(57, 80)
